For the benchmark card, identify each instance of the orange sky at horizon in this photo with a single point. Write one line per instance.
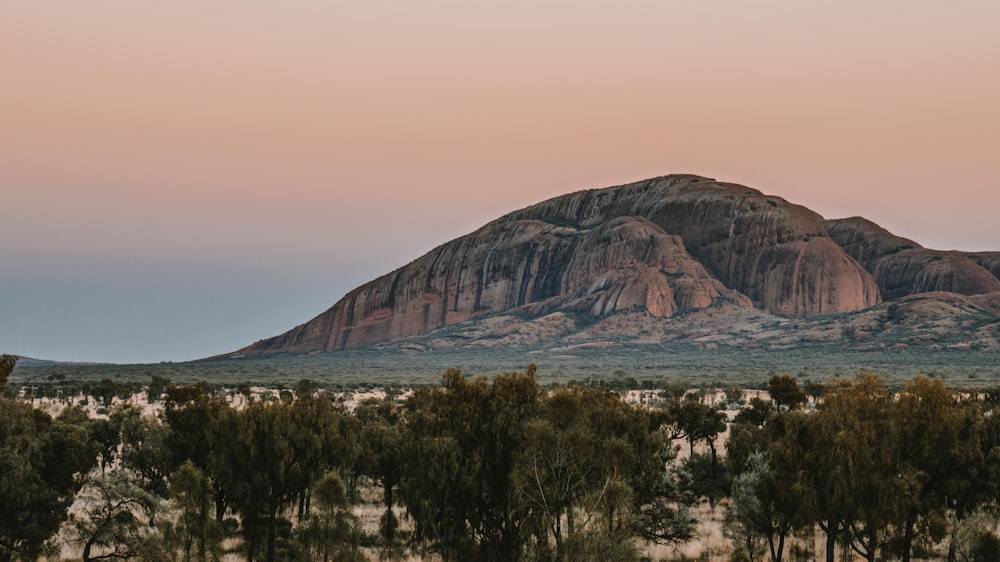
(200, 136)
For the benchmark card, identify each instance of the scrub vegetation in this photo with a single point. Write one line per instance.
(500, 469)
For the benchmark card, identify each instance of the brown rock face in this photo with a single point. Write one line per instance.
(988, 260)
(625, 264)
(659, 247)
(902, 267)
(776, 253)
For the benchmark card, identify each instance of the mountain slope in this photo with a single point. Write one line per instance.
(676, 246)
(902, 267)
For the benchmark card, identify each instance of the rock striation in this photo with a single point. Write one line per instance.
(989, 260)
(902, 267)
(776, 253)
(655, 249)
(625, 264)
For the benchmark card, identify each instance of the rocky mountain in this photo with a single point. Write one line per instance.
(902, 267)
(680, 254)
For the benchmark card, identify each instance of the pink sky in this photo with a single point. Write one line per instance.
(238, 166)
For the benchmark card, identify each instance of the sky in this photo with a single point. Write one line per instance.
(181, 178)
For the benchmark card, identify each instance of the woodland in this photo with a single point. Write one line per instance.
(501, 469)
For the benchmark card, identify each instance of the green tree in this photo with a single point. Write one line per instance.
(841, 459)
(459, 474)
(332, 532)
(699, 422)
(757, 412)
(41, 466)
(974, 481)
(588, 453)
(558, 467)
(115, 514)
(270, 454)
(746, 516)
(199, 534)
(106, 390)
(108, 437)
(7, 363)
(154, 391)
(764, 509)
(201, 430)
(927, 427)
(144, 447)
(785, 392)
(381, 455)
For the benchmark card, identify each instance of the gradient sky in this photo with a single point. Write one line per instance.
(181, 178)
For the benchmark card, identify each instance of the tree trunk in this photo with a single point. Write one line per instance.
(272, 528)
(776, 551)
(252, 546)
(908, 538)
(715, 458)
(188, 540)
(390, 527)
(557, 529)
(831, 544)
(86, 549)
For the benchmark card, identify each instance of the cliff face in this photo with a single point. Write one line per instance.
(902, 267)
(776, 253)
(624, 264)
(988, 260)
(654, 248)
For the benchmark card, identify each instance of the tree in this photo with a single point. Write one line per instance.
(757, 413)
(7, 363)
(841, 460)
(41, 463)
(269, 455)
(106, 390)
(459, 474)
(746, 516)
(108, 437)
(381, 455)
(698, 422)
(267, 475)
(115, 515)
(974, 481)
(785, 392)
(154, 391)
(144, 448)
(928, 426)
(600, 466)
(559, 466)
(198, 533)
(332, 532)
(763, 511)
(201, 430)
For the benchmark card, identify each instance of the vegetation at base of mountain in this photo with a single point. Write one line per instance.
(618, 368)
(503, 468)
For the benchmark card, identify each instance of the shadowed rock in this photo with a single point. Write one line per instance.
(988, 260)
(902, 267)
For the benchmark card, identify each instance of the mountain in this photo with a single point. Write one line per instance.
(677, 256)
(902, 267)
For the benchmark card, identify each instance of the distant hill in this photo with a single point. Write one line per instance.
(32, 362)
(676, 258)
